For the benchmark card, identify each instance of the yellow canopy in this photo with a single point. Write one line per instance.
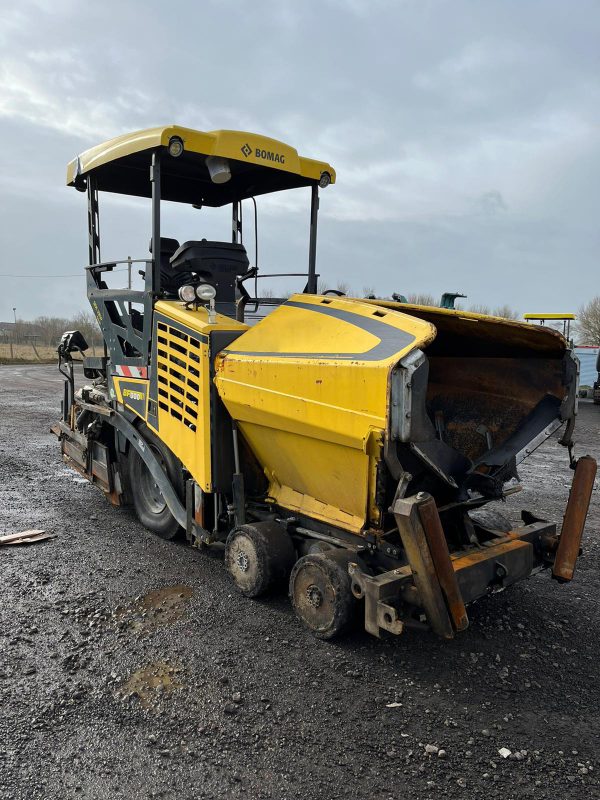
(257, 163)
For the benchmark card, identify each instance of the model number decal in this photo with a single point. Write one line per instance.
(132, 394)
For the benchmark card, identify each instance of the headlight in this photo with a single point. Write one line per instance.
(187, 293)
(324, 180)
(218, 169)
(206, 292)
(175, 146)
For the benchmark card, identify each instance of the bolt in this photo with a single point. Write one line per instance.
(314, 596)
(242, 561)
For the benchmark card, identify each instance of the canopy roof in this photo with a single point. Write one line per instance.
(258, 165)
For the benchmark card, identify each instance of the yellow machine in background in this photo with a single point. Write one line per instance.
(554, 320)
(346, 446)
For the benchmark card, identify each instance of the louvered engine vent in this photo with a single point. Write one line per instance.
(178, 363)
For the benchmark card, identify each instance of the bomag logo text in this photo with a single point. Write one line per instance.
(267, 155)
(133, 395)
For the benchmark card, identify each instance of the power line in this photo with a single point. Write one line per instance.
(66, 275)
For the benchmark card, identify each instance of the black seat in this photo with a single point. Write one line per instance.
(170, 281)
(211, 258)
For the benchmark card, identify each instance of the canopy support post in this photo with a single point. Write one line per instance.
(236, 222)
(93, 222)
(311, 284)
(155, 180)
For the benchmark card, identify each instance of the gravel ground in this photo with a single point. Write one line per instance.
(130, 669)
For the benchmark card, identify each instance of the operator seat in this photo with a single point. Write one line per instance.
(170, 281)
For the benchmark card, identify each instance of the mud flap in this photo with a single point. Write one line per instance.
(133, 436)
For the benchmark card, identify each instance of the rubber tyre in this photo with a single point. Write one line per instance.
(148, 508)
(321, 594)
(259, 557)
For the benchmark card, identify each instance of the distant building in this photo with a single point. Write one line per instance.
(6, 328)
(20, 332)
(587, 355)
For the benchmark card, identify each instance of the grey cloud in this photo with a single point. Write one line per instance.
(465, 135)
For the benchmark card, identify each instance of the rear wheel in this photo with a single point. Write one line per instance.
(148, 501)
(321, 594)
(259, 557)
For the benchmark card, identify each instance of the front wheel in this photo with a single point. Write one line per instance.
(321, 594)
(259, 556)
(148, 501)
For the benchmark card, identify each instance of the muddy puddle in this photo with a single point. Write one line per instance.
(158, 607)
(151, 683)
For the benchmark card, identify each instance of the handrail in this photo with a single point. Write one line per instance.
(268, 301)
(281, 275)
(106, 266)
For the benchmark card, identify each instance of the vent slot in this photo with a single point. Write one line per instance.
(178, 370)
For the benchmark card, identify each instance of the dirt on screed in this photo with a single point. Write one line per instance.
(130, 668)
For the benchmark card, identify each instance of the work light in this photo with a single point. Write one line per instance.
(175, 146)
(324, 180)
(205, 292)
(187, 293)
(218, 169)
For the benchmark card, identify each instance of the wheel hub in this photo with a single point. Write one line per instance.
(314, 595)
(150, 489)
(242, 561)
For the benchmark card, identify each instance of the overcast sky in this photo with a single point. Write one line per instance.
(465, 136)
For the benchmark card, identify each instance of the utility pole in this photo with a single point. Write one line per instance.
(13, 338)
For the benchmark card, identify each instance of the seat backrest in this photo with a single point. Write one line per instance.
(167, 246)
(211, 257)
(170, 281)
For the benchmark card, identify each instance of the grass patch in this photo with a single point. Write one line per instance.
(25, 354)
